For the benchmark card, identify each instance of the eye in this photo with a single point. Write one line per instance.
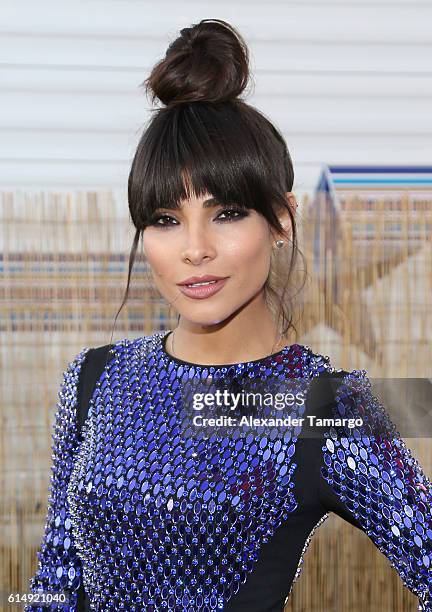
(239, 212)
(155, 221)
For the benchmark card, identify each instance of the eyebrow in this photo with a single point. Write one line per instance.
(210, 203)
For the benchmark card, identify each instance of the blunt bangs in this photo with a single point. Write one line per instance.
(220, 149)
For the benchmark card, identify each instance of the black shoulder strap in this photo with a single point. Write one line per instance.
(335, 379)
(92, 368)
(322, 392)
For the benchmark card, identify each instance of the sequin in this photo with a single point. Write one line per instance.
(161, 518)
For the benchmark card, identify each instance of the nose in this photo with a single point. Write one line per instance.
(198, 245)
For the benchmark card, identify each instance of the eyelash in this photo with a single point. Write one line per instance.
(240, 212)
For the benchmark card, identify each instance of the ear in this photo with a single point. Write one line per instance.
(292, 201)
(285, 218)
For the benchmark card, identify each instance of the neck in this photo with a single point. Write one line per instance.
(237, 339)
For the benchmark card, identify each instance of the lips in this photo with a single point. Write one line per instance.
(200, 279)
(203, 291)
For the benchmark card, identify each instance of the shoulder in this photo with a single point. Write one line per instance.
(317, 364)
(127, 347)
(327, 383)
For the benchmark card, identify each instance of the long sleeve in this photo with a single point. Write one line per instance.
(59, 567)
(368, 476)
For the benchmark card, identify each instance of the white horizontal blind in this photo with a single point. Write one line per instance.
(346, 82)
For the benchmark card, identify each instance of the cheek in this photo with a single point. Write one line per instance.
(158, 255)
(248, 239)
(250, 258)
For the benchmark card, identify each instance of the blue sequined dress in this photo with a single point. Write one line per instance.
(144, 517)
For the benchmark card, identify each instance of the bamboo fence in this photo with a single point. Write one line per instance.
(366, 303)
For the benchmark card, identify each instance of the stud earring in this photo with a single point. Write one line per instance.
(279, 243)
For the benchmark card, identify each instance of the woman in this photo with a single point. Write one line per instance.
(157, 507)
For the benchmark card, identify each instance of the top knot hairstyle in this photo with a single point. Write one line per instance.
(208, 62)
(206, 139)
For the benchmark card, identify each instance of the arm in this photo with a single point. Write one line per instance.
(59, 567)
(370, 478)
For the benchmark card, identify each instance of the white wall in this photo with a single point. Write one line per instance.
(347, 82)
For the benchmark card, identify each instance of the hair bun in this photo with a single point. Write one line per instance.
(209, 62)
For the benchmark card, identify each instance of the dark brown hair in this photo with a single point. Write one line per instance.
(206, 139)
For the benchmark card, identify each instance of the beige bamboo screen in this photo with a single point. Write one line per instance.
(366, 304)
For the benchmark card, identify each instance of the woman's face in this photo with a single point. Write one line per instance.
(206, 238)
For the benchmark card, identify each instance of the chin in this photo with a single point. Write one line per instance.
(205, 319)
